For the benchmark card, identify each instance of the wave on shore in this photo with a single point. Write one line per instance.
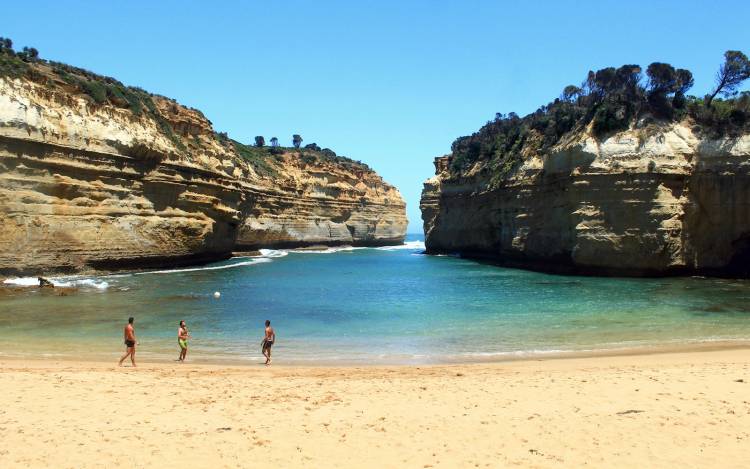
(409, 245)
(67, 282)
(252, 261)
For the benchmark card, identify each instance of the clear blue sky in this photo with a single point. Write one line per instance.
(391, 83)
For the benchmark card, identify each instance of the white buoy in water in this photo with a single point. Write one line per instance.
(217, 294)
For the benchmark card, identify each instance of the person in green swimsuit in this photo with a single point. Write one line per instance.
(182, 337)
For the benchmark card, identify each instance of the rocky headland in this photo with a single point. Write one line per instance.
(613, 178)
(94, 174)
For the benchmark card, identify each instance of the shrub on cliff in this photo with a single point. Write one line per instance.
(328, 153)
(6, 46)
(28, 54)
(260, 141)
(10, 65)
(723, 117)
(257, 157)
(13, 67)
(95, 89)
(309, 158)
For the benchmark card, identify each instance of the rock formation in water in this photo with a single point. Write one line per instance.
(94, 174)
(609, 179)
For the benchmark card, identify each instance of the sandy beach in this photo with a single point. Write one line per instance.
(678, 409)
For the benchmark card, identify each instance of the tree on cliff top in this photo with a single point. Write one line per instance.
(569, 94)
(274, 142)
(28, 54)
(6, 46)
(663, 81)
(734, 70)
(296, 140)
(260, 141)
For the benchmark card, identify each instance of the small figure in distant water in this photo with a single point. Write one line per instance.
(268, 341)
(43, 282)
(182, 337)
(130, 342)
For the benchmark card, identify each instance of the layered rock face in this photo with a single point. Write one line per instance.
(325, 204)
(86, 184)
(669, 202)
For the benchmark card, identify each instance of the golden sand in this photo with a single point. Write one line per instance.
(660, 410)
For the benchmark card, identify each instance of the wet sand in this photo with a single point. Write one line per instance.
(690, 409)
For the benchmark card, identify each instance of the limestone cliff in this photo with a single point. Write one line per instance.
(662, 200)
(121, 178)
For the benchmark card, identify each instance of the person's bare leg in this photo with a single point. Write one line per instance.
(127, 352)
(183, 354)
(132, 356)
(265, 354)
(269, 356)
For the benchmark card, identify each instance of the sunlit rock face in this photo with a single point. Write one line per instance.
(86, 185)
(666, 202)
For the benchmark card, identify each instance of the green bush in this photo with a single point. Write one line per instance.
(12, 67)
(258, 157)
(96, 90)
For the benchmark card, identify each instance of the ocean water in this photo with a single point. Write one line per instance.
(367, 305)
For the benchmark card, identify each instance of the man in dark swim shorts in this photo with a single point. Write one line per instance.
(130, 342)
(268, 341)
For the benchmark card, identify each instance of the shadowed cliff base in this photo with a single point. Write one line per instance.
(159, 262)
(563, 265)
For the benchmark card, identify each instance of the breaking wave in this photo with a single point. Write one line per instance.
(272, 253)
(70, 282)
(409, 245)
(329, 250)
(256, 260)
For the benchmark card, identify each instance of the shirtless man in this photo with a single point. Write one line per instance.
(182, 337)
(130, 342)
(268, 341)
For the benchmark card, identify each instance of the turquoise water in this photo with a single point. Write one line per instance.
(369, 305)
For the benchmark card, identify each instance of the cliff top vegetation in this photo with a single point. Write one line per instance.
(266, 159)
(611, 100)
(104, 90)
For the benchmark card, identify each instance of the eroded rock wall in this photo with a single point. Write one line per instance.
(323, 205)
(666, 203)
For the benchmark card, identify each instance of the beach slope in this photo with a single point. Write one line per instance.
(679, 409)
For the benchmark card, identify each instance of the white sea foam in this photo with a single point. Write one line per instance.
(330, 250)
(520, 353)
(272, 253)
(409, 245)
(84, 282)
(22, 281)
(256, 260)
(59, 282)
